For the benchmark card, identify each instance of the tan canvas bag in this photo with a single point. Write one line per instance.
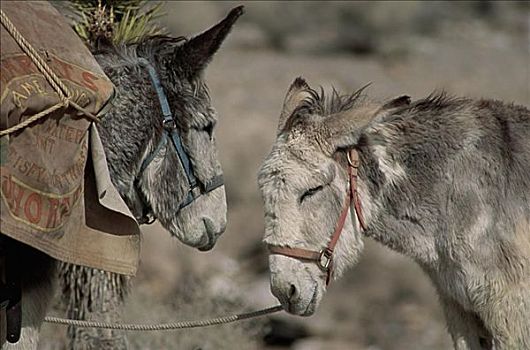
(56, 193)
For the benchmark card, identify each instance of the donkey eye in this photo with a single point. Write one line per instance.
(310, 192)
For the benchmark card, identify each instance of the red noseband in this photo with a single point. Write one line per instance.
(324, 258)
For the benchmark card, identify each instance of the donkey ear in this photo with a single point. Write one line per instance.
(298, 91)
(397, 102)
(195, 54)
(345, 128)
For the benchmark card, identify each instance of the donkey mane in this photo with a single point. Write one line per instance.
(147, 46)
(325, 105)
(121, 56)
(436, 101)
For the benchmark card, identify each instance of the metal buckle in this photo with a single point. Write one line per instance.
(150, 219)
(325, 259)
(146, 219)
(195, 192)
(169, 124)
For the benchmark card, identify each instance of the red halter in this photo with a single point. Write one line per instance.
(324, 258)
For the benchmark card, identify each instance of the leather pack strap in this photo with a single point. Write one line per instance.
(11, 298)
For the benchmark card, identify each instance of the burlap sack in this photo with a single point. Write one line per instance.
(56, 193)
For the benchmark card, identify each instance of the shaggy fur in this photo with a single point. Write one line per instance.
(130, 131)
(442, 180)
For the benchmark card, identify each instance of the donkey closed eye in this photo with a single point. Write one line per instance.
(310, 192)
(208, 128)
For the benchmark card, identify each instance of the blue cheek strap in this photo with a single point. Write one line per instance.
(170, 132)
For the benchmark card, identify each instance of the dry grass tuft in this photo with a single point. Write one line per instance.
(117, 21)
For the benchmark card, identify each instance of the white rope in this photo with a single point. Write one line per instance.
(52, 78)
(165, 326)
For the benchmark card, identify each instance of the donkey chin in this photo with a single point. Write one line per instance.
(200, 223)
(298, 286)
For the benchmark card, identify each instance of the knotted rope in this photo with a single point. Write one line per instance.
(165, 326)
(52, 78)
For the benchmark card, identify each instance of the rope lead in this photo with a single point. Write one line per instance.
(164, 326)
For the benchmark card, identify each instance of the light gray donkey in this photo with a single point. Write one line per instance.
(444, 181)
(147, 173)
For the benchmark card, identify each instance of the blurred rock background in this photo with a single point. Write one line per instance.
(476, 49)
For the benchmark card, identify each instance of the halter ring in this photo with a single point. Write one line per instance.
(169, 124)
(352, 163)
(324, 259)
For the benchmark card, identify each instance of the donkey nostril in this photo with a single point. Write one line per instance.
(208, 225)
(292, 292)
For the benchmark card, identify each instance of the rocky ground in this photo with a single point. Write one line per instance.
(385, 302)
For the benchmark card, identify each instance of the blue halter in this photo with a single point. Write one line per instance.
(170, 132)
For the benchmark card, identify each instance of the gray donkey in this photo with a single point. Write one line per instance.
(444, 181)
(148, 170)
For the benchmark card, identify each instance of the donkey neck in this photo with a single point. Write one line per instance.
(129, 131)
(369, 184)
(387, 212)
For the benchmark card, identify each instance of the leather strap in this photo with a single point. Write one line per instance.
(353, 162)
(10, 298)
(170, 128)
(340, 224)
(300, 253)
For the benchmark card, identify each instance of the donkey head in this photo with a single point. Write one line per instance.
(145, 160)
(304, 184)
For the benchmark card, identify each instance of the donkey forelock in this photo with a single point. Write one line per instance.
(321, 104)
